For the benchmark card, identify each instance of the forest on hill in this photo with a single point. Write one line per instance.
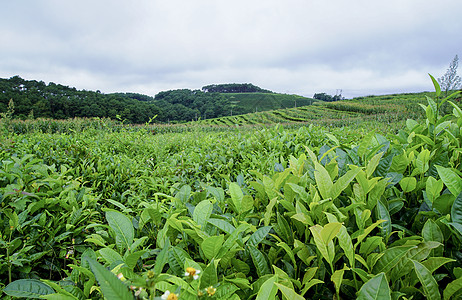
(36, 99)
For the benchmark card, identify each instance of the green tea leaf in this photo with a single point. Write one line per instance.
(452, 288)
(110, 255)
(111, 286)
(436, 85)
(288, 292)
(211, 245)
(456, 209)
(258, 236)
(209, 276)
(323, 180)
(450, 179)
(384, 214)
(132, 259)
(268, 289)
(259, 260)
(346, 244)
(241, 203)
(28, 288)
(429, 284)
(342, 183)
(122, 227)
(376, 288)
(202, 212)
(390, 258)
(408, 184)
(162, 258)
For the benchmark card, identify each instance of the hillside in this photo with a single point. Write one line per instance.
(255, 102)
(35, 99)
(386, 109)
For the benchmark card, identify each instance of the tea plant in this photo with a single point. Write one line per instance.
(270, 213)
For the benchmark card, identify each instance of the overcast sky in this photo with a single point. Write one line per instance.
(300, 47)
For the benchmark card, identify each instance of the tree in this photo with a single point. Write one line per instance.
(450, 80)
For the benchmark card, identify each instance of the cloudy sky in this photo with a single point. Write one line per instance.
(300, 47)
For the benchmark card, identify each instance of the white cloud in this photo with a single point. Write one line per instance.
(295, 46)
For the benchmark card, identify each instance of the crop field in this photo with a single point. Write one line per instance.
(357, 199)
(389, 109)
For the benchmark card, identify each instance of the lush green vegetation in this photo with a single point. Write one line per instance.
(234, 88)
(35, 99)
(98, 209)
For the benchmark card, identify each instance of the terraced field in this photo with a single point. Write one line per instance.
(387, 109)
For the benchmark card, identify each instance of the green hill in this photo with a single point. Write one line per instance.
(386, 109)
(255, 102)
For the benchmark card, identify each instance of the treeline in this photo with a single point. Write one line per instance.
(327, 97)
(234, 88)
(190, 105)
(36, 99)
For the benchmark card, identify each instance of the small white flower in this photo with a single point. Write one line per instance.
(191, 272)
(169, 296)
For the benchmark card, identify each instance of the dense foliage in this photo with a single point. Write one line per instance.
(258, 214)
(234, 88)
(327, 97)
(190, 105)
(35, 99)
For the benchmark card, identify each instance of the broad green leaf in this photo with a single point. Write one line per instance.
(366, 232)
(450, 179)
(269, 211)
(211, 245)
(456, 111)
(436, 85)
(111, 286)
(258, 236)
(329, 231)
(28, 288)
(408, 184)
(122, 227)
(241, 203)
(288, 250)
(337, 279)
(384, 214)
(202, 212)
(376, 288)
(433, 263)
(222, 225)
(452, 288)
(288, 292)
(231, 240)
(440, 127)
(365, 144)
(432, 232)
(132, 259)
(390, 258)
(422, 161)
(162, 258)
(346, 244)
(342, 183)
(323, 181)
(456, 209)
(110, 255)
(373, 163)
(268, 289)
(429, 284)
(259, 260)
(209, 276)
(433, 188)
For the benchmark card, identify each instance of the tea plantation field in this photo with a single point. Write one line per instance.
(90, 209)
